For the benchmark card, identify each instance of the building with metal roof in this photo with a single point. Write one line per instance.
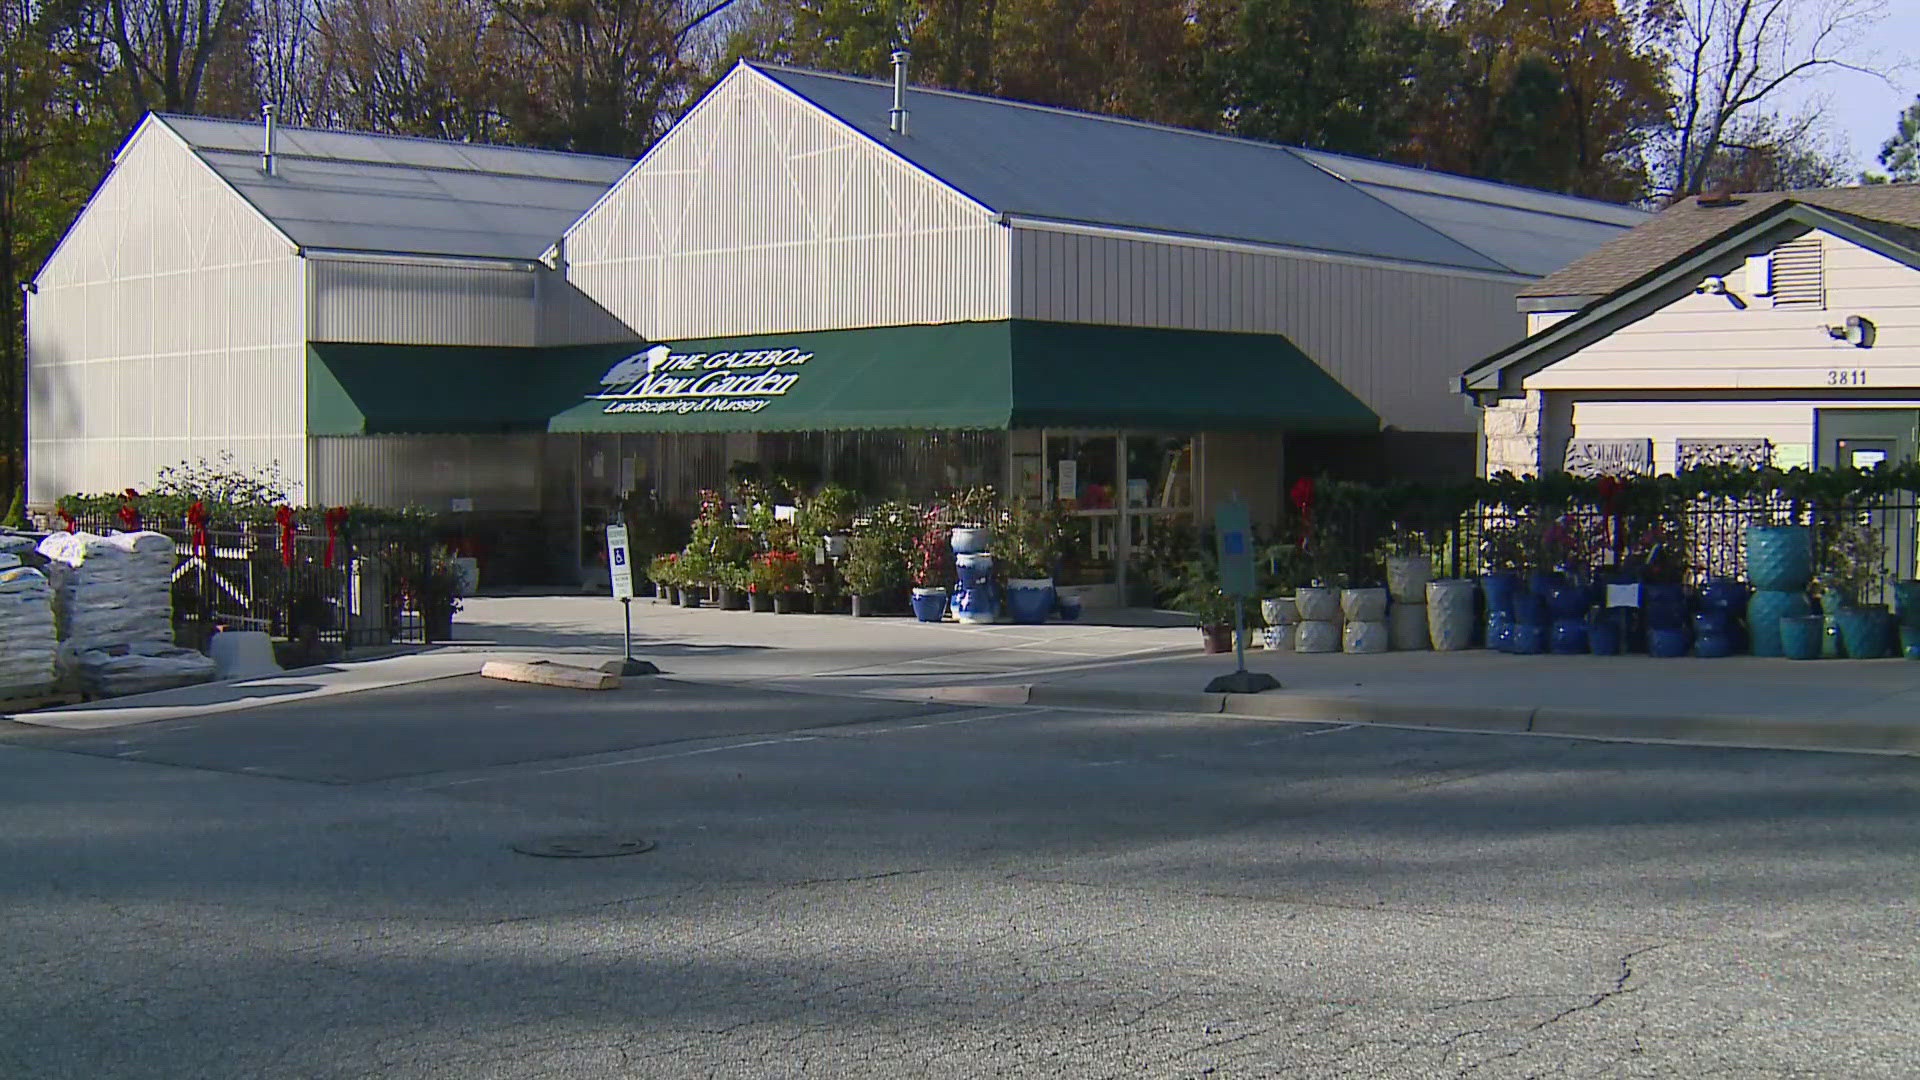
(1772, 328)
(902, 288)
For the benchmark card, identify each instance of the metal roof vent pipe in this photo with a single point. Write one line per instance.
(266, 148)
(897, 116)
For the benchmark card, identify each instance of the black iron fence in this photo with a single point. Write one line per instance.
(358, 589)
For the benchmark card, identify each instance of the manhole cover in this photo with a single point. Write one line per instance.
(583, 846)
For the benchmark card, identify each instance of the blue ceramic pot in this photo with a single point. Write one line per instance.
(1866, 632)
(1779, 557)
(929, 604)
(1834, 601)
(1569, 637)
(1567, 601)
(1529, 639)
(1801, 636)
(1724, 594)
(1029, 600)
(1500, 631)
(1713, 646)
(1711, 622)
(1910, 642)
(1764, 612)
(1530, 608)
(1498, 589)
(1667, 642)
(1603, 636)
(1832, 647)
(1906, 602)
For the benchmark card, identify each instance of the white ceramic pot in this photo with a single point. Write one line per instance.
(967, 539)
(1279, 638)
(1365, 637)
(1450, 613)
(1364, 605)
(1407, 577)
(1317, 604)
(1279, 611)
(1407, 627)
(1316, 636)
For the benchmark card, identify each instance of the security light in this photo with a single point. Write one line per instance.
(1856, 331)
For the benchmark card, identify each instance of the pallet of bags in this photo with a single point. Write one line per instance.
(27, 642)
(111, 590)
(137, 668)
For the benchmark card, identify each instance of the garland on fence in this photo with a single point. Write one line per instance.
(109, 511)
(197, 519)
(283, 516)
(334, 518)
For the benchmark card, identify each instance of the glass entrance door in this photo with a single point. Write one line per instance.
(1117, 488)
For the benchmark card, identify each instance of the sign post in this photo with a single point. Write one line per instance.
(620, 568)
(1233, 535)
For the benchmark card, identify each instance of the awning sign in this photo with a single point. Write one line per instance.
(660, 380)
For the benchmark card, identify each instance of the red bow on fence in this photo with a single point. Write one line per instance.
(197, 517)
(130, 512)
(1303, 502)
(335, 518)
(284, 516)
(66, 519)
(1609, 489)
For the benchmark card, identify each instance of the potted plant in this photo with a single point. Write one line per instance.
(694, 571)
(730, 583)
(873, 568)
(970, 511)
(1856, 568)
(930, 567)
(437, 594)
(827, 516)
(1212, 610)
(775, 577)
(664, 571)
(1029, 544)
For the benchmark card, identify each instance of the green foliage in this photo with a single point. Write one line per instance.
(1900, 154)
(17, 511)
(1029, 540)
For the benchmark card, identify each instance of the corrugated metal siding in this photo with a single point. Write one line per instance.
(167, 328)
(1395, 338)
(497, 472)
(421, 304)
(570, 317)
(759, 213)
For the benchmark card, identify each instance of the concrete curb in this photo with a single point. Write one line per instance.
(1705, 729)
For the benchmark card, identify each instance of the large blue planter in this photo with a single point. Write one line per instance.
(929, 604)
(1764, 612)
(1569, 637)
(1667, 642)
(1664, 607)
(1866, 632)
(1567, 601)
(1530, 608)
(1711, 622)
(1529, 639)
(1779, 557)
(1498, 589)
(1500, 631)
(1724, 594)
(1906, 602)
(1713, 646)
(1910, 642)
(1603, 635)
(1801, 636)
(1029, 600)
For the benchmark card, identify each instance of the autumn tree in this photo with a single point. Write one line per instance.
(437, 68)
(596, 76)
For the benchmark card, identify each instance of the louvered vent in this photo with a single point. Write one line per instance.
(1799, 275)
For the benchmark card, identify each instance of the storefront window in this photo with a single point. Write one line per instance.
(1082, 471)
(1159, 472)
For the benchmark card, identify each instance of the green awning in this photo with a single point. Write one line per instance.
(991, 375)
(355, 389)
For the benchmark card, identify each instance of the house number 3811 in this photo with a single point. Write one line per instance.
(1847, 377)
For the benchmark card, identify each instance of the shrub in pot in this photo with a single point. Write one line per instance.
(873, 569)
(930, 568)
(1028, 545)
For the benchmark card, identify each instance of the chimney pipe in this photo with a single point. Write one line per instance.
(266, 150)
(897, 116)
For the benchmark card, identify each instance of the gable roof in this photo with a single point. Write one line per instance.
(351, 191)
(1781, 218)
(1686, 224)
(1052, 164)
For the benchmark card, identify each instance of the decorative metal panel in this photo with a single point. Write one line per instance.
(1745, 453)
(421, 304)
(759, 213)
(1609, 457)
(492, 472)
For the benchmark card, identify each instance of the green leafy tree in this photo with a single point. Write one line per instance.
(1900, 155)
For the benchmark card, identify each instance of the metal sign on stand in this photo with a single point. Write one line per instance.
(1233, 537)
(620, 569)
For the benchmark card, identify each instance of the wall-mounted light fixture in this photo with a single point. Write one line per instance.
(1715, 285)
(1857, 331)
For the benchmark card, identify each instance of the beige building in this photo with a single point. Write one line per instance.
(1778, 328)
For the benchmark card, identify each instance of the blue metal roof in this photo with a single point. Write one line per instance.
(1034, 161)
(360, 192)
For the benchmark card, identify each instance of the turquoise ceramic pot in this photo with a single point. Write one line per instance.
(1866, 632)
(1779, 557)
(1764, 612)
(1801, 636)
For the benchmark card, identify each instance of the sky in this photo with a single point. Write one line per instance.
(1863, 109)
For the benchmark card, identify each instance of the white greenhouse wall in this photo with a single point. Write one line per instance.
(1706, 342)
(495, 472)
(760, 213)
(167, 327)
(1396, 338)
(411, 303)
